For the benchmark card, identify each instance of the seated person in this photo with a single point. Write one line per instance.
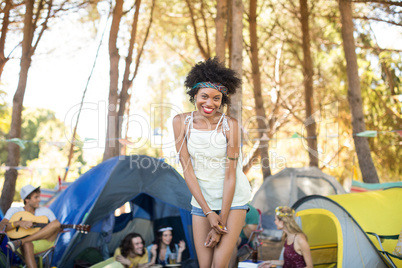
(250, 225)
(131, 253)
(164, 246)
(42, 239)
(297, 250)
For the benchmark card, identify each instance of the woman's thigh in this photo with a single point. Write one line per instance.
(201, 228)
(224, 249)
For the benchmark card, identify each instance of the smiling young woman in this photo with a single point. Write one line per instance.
(208, 145)
(164, 247)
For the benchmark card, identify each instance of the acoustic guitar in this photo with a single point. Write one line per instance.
(38, 223)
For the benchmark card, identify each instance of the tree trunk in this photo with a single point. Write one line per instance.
(366, 164)
(259, 101)
(236, 57)
(229, 30)
(111, 144)
(4, 29)
(13, 149)
(308, 86)
(389, 76)
(220, 22)
(126, 84)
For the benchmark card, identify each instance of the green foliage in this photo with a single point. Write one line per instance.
(32, 120)
(45, 150)
(5, 121)
(4, 115)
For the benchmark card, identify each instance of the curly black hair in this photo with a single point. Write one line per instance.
(126, 244)
(212, 71)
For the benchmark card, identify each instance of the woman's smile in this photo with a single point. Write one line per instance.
(207, 110)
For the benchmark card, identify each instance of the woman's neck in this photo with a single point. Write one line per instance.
(290, 237)
(288, 234)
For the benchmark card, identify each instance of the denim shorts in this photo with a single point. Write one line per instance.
(198, 211)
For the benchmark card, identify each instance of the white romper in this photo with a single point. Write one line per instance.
(208, 152)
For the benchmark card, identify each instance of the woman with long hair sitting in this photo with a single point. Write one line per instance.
(164, 246)
(297, 250)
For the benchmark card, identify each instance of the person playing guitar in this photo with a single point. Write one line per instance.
(39, 241)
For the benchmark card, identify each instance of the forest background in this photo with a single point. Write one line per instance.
(83, 81)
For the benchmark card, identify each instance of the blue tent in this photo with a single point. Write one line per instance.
(157, 195)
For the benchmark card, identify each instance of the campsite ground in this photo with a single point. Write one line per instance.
(270, 250)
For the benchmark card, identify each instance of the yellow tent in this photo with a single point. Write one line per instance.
(337, 227)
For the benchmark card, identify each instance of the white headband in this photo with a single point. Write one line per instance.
(165, 229)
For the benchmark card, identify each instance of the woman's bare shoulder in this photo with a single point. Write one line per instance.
(301, 239)
(182, 115)
(231, 119)
(232, 123)
(180, 118)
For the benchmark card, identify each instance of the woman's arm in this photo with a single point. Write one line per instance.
(180, 248)
(302, 244)
(233, 152)
(125, 261)
(152, 252)
(179, 133)
(267, 264)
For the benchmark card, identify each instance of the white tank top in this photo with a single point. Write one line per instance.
(208, 151)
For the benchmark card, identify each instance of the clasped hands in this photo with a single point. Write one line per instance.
(218, 229)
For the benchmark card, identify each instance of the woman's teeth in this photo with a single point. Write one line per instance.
(207, 110)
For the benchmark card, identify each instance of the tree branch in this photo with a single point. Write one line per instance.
(389, 111)
(377, 19)
(205, 28)
(197, 39)
(37, 15)
(4, 29)
(250, 162)
(387, 2)
(184, 58)
(44, 25)
(137, 61)
(337, 153)
(377, 48)
(284, 105)
(129, 59)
